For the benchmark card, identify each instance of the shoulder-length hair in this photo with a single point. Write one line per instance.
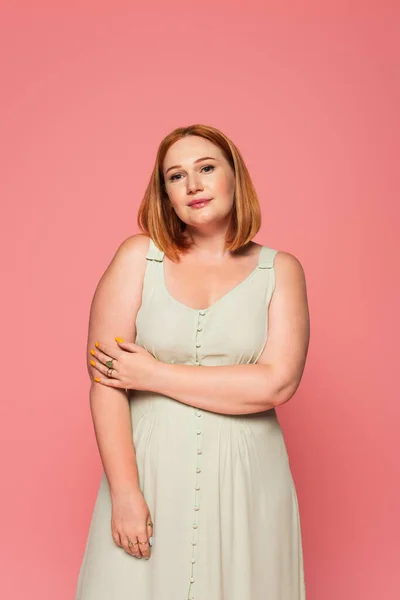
(157, 218)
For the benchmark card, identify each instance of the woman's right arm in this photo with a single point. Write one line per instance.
(113, 313)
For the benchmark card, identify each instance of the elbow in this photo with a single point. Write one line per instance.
(279, 388)
(285, 392)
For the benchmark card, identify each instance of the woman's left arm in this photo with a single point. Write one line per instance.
(252, 388)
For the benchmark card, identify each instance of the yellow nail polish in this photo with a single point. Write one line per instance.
(96, 379)
(117, 339)
(93, 363)
(92, 352)
(96, 344)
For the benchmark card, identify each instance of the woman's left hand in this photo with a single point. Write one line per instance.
(132, 367)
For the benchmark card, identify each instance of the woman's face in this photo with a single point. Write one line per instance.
(195, 168)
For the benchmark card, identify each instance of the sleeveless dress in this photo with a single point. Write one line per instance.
(219, 487)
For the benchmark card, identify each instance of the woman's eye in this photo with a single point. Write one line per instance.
(173, 177)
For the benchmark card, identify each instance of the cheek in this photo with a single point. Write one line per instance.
(176, 194)
(224, 186)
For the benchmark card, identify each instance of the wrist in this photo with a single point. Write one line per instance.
(158, 376)
(123, 494)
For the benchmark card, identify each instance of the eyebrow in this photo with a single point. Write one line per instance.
(196, 161)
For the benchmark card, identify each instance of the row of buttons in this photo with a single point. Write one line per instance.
(198, 330)
(196, 508)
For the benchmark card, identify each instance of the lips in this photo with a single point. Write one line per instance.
(198, 200)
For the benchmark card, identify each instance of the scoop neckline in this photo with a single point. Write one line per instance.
(223, 297)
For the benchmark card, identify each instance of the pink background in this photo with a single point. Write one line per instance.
(311, 97)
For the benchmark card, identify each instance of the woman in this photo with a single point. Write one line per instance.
(196, 474)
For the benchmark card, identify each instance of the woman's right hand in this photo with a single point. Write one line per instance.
(130, 520)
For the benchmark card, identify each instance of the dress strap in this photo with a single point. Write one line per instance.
(154, 253)
(266, 257)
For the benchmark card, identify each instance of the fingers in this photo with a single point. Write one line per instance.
(102, 359)
(107, 350)
(137, 545)
(105, 370)
(150, 531)
(144, 546)
(130, 346)
(131, 546)
(116, 537)
(143, 540)
(146, 543)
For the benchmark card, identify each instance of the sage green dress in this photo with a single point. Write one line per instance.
(219, 487)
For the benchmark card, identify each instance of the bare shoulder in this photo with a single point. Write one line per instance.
(289, 300)
(289, 325)
(128, 259)
(134, 247)
(290, 282)
(288, 267)
(118, 294)
(123, 276)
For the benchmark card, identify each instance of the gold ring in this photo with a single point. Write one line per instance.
(150, 523)
(130, 543)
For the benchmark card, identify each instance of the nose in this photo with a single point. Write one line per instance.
(193, 183)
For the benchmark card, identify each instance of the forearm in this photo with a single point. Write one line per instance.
(231, 389)
(112, 424)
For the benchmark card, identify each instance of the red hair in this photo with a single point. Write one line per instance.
(157, 218)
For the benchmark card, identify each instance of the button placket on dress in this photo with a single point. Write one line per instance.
(198, 432)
